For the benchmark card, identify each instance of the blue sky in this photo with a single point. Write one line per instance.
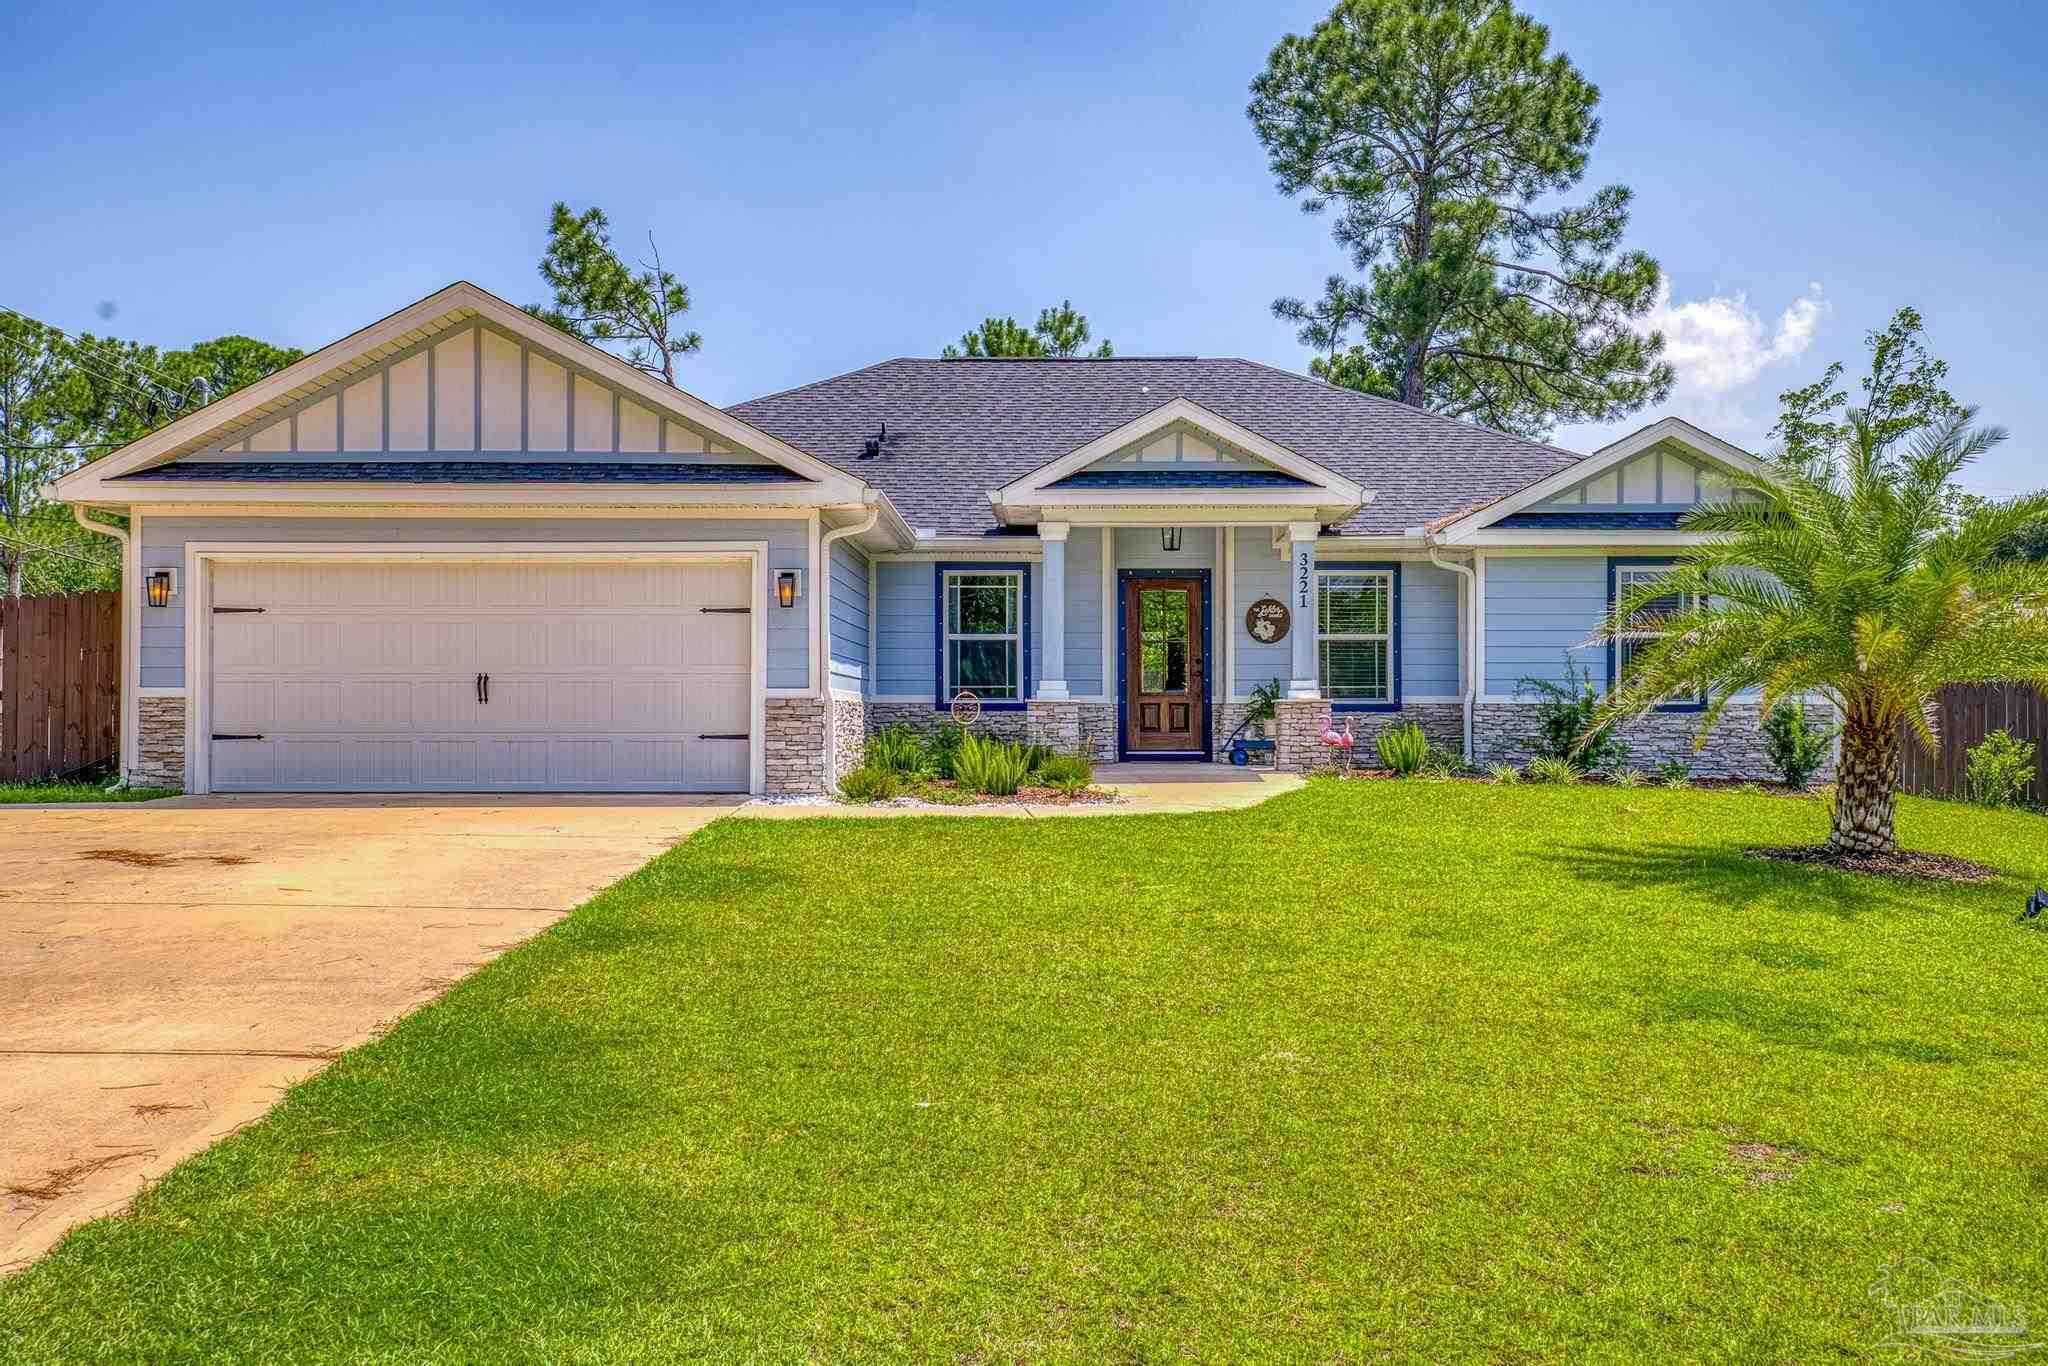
(840, 184)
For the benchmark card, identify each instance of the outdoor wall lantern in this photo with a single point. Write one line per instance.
(789, 586)
(161, 586)
(1169, 538)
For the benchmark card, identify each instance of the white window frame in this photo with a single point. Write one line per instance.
(1387, 576)
(1624, 576)
(947, 635)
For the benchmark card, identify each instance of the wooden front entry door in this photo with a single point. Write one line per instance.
(1165, 694)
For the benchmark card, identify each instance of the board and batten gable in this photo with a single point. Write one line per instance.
(1665, 476)
(164, 540)
(1179, 445)
(480, 392)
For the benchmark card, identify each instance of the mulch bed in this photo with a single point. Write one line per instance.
(1905, 863)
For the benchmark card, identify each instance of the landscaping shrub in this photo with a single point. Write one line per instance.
(1795, 744)
(1999, 768)
(1403, 748)
(870, 783)
(1631, 777)
(1264, 707)
(991, 766)
(1549, 768)
(1504, 773)
(1069, 773)
(1565, 713)
(1035, 757)
(1675, 773)
(897, 748)
(944, 747)
(1443, 762)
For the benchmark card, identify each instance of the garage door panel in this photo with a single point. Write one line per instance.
(378, 766)
(604, 676)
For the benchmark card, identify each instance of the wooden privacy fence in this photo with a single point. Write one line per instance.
(1967, 712)
(60, 683)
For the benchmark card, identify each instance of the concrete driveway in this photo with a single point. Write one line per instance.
(168, 969)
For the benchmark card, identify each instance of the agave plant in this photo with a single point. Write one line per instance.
(1858, 574)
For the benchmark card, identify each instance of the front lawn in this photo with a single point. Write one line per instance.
(1383, 1071)
(16, 793)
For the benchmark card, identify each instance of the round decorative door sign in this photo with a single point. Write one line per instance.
(1267, 620)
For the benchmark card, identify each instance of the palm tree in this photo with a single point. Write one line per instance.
(1863, 577)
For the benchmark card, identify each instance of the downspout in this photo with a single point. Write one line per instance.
(823, 644)
(131, 650)
(1471, 690)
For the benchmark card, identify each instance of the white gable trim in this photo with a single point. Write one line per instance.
(436, 313)
(1675, 429)
(1327, 489)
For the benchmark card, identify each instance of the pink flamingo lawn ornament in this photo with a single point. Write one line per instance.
(1341, 741)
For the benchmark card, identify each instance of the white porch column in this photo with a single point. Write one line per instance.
(1301, 572)
(1052, 644)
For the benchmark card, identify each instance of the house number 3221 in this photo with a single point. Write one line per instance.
(1302, 567)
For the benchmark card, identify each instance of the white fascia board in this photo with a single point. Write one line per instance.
(465, 299)
(1149, 511)
(1704, 443)
(1582, 537)
(1032, 489)
(268, 494)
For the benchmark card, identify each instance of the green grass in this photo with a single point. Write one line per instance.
(12, 793)
(1384, 1071)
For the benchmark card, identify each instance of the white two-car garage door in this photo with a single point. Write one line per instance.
(366, 675)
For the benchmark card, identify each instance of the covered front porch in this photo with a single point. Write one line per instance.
(1156, 636)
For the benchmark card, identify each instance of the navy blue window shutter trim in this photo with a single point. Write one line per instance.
(1397, 609)
(1021, 568)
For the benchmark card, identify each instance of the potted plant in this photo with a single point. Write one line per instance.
(1262, 710)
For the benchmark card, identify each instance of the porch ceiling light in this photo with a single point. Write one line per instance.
(1169, 538)
(159, 586)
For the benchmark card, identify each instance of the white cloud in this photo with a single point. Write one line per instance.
(1720, 343)
(1719, 348)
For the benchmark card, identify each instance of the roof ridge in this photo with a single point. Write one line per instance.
(1396, 403)
(816, 383)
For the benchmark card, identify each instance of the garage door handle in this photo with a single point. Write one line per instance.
(220, 736)
(742, 735)
(487, 690)
(740, 610)
(237, 609)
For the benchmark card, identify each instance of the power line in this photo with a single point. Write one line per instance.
(92, 368)
(158, 375)
(37, 546)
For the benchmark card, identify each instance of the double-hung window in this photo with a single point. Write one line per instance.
(1355, 636)
(981, 638)
(1642, 626)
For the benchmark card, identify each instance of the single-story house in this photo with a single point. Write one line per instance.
(459, 550)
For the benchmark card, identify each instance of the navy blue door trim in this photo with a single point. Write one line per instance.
(1123, 655)
(939, 571)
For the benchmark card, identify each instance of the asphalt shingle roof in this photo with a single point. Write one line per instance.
(468, 472)
(959, 428)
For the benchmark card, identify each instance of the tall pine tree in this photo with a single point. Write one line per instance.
(1444, 134)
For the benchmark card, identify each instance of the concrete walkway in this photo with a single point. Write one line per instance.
(168, 968)
(1141, 789)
